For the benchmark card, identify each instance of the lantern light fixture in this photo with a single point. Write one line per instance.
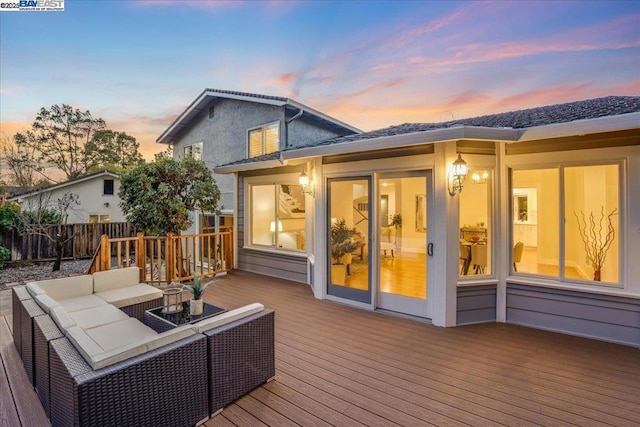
(456, 176)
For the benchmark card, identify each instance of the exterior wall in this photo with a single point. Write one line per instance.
(603, 317)
(92, 200)
(224, 136)
(301, 132)
(270, 263)
(476, 304)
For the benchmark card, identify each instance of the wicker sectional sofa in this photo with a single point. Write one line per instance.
(93, 361)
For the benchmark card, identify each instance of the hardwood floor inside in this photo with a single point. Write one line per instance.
(529, 264)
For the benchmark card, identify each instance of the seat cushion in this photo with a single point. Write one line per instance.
(114, 279)
(228, 317)
(63, 288)
(46, 302)
(97, 316)
(81, 303)
(112, 343)
(123, 297)
(61, 317)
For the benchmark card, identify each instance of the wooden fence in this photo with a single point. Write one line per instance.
(83, 244)
(166, 259)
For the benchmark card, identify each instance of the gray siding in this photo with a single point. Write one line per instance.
(224, 136)
(603, 317)
(271, 264)
(476, 304)
(301, 132)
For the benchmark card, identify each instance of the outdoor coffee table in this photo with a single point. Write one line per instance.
(161, 322)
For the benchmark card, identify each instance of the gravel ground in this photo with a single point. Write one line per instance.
(39, 271)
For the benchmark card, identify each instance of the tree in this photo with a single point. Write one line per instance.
(158, 197)
(21, 160)
(40, 213)
(109, 148)
(60, 136)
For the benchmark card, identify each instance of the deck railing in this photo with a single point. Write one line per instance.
(166, 259)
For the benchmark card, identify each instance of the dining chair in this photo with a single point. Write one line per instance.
(517, 254)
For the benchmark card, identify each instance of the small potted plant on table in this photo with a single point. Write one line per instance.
(197, 289)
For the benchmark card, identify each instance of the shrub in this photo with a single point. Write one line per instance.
(5, 255)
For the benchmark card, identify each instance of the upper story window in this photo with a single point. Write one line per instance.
(211, 112)
(194, 150)
(107, 187)
(566, 222)
(264, 140)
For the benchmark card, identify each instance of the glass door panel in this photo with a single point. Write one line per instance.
(402, 236)
(348, 236)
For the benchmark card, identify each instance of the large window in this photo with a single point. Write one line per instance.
(264, 140)
(476, 237)
(278, 216)
(95, 219)
(194, 150)
(581, 245)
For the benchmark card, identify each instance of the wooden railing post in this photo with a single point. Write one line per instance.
(141, 259)
(171, 260)
(105, 253)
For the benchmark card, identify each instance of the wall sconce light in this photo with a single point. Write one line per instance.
(457, 174)
(307, 185)
(477, 179)
(106, 204)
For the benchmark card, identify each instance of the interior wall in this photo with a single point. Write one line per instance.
(412, 240)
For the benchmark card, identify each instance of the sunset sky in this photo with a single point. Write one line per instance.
(138, 64)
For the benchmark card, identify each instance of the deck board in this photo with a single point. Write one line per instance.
(337, 365)
(27, 406)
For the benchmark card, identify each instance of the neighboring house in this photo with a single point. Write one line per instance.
(505, 244)
(222, 126)
(98, 194)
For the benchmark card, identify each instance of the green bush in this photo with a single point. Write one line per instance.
(5, 255)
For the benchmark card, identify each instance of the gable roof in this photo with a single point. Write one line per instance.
(208, 95)
(32, 192)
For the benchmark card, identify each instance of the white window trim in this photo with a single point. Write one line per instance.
(560, 164)
(280, 179)
(190, 146)
(248, 151)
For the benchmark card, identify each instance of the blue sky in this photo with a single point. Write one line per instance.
(138, 64)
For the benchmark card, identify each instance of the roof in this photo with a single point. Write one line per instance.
(588, 116)
(520, 119)
(32, 191)
(204, 99)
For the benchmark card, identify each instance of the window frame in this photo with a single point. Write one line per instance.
(277, 180)
(190, 148)
(113, 187)
(560, 166)
(99, 218)
(263, 141)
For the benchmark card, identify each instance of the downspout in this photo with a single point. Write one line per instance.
(286, 126)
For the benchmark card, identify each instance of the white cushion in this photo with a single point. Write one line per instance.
(114, 279)
(34, 289)
(123, 297)
(81, 303)
(118, 341)
(227, 317)
(97, 316)
(61, 317)
(64, 287)
(140, 347)
(46, 302)
(119, 334)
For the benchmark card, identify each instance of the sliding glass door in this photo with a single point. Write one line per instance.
(348, 230)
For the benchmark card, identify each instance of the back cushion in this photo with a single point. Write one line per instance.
(66, 287)
(115, 279)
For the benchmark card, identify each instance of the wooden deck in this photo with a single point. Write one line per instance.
(337, 365)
